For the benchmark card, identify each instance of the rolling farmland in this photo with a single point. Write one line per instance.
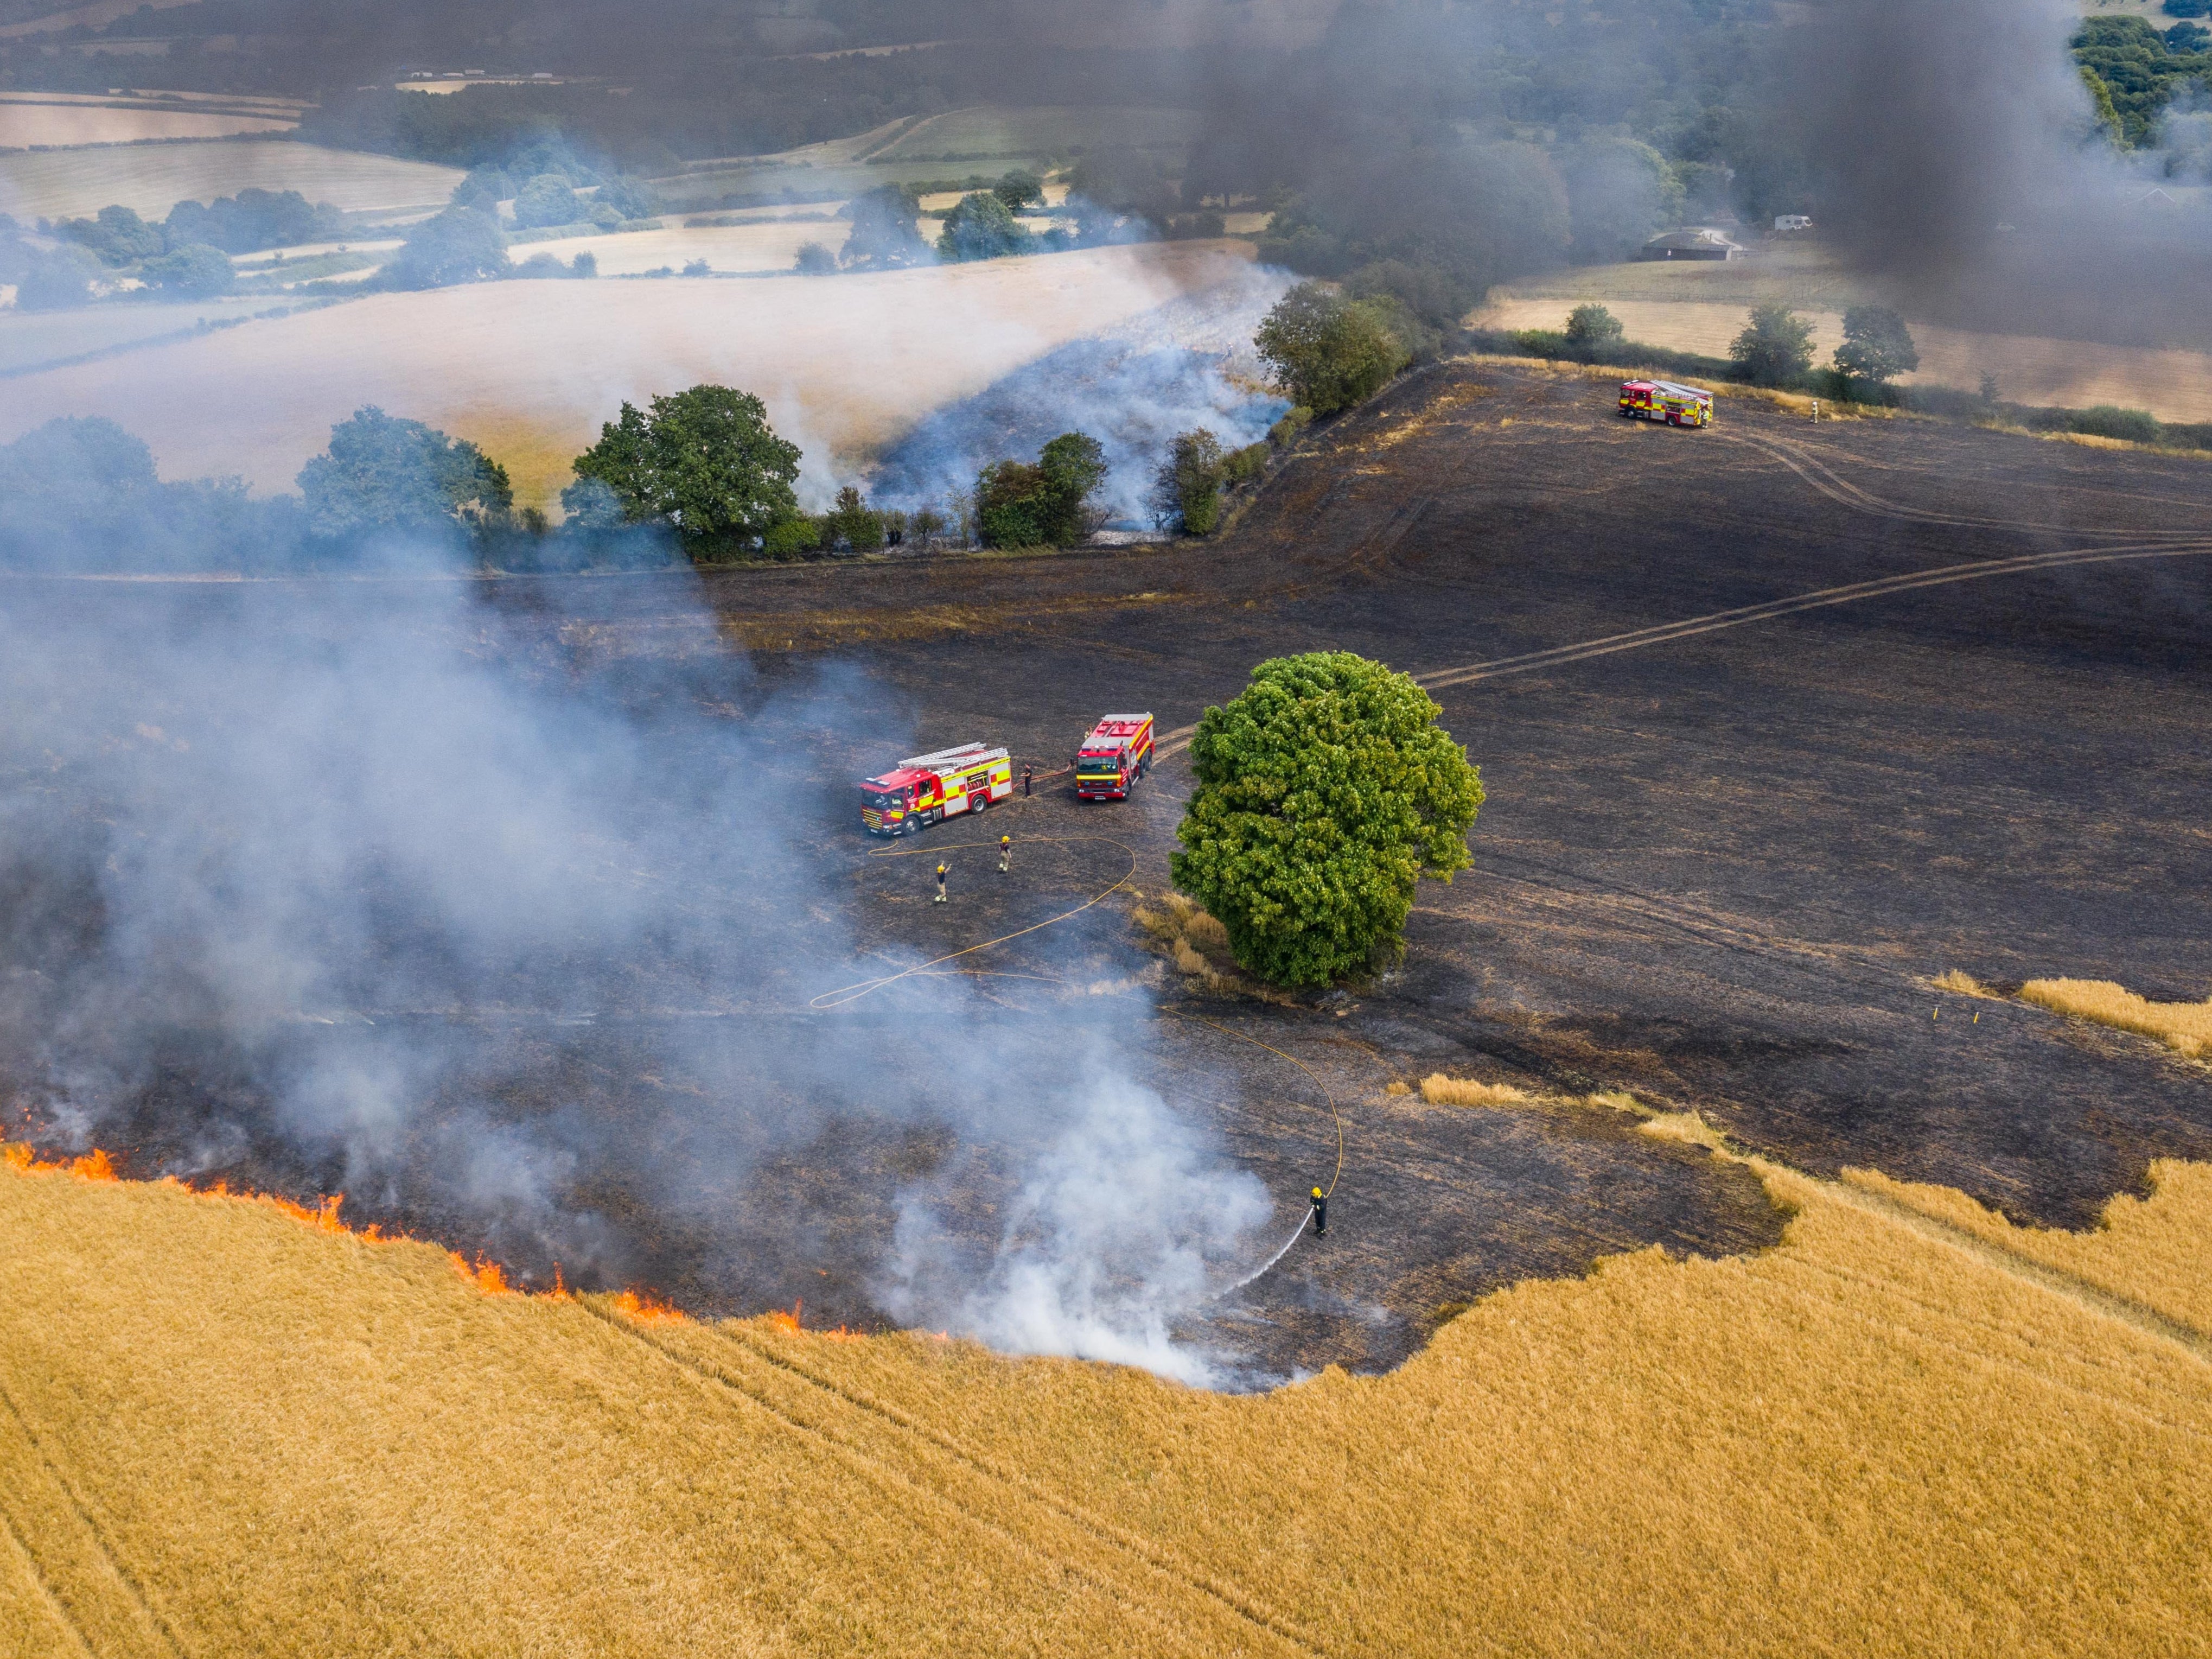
(66, 184)
(844, 363)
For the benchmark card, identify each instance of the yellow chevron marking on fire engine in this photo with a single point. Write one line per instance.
(845, 994)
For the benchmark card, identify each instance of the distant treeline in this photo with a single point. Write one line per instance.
(1631, 356)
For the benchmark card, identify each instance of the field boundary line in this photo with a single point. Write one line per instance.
(1147, 1552)
(1158, 1556)
(2071, 1287)
(164, 1636)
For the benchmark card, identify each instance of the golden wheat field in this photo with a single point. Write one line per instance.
(2174, 386)
(64, 183)
(1907, 1429)
(2185, 1026)
(26, 120)
(529, 370)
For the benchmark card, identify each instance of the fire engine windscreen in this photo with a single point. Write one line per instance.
(387, 891)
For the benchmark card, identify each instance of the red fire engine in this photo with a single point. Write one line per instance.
(924, 789)
(1118, 751)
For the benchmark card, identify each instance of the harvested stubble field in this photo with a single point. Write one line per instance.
(26, 119)
(844, 363)
(1732, 838)
(152, 180)
(770, 244)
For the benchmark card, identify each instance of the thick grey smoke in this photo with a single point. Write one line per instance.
(381, 888)
(1958, 157)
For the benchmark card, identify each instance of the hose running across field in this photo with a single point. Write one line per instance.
(849, 994)
(845, 994)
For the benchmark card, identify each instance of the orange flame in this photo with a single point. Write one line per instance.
(94, 1165)
(486, 1275)
(789, 1324)
(647, 1309)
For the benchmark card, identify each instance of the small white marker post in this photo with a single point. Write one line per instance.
(1816, 410)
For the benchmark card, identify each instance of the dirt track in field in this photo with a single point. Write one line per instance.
(1719, 865)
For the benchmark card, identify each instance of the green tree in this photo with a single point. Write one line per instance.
(979, 227)
(383, 473)
(117, 235)
(815, 260)
(1041, 504)
(1593, 325)
(1325, 791)
(633, 199)
(195, 271)
(485, 188)
(706, 461)
(1777, 346)
(459, 245)
(885, 228)
(1187, 489)
(2106, 115)
(1017, 188)
(853, 523)
(55, 280)
(546, 200)
(1876, 346)
(1329, 352)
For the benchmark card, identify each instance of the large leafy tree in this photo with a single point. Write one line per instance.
(1876, 346)
(705, 461)
(382, 473)
(1329, 352)
(1044, 503)
(459, 244)
(886, 227)
(1775, 346)
(981, 226)
(1325, 791)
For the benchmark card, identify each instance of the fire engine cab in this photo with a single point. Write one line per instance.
(1118, 751)
(926, 789)
(1663, 400)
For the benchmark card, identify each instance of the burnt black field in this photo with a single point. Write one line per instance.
(1718, 871)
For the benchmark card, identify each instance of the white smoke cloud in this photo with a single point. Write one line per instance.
(1126, 1222)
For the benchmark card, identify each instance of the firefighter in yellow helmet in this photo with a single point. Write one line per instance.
(1320, 1213)
(940, 884)
(1005, 854)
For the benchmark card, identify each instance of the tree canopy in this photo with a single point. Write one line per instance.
(195, 271)
(1775, 346)
(706, 461)
(1592, 324)
(1187, 489)
(1877, 346)
(1325, 791)
(1041, 504)
(459, 245)
(1329, 352)
(981, 226)
(382, 473)
(886, 231)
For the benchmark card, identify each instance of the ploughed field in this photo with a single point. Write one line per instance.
(1717, 870)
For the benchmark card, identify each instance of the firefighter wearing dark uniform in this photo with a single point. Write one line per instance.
(1026, 770)
(940, 884)
(1320, 1213)
(1005, 854)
